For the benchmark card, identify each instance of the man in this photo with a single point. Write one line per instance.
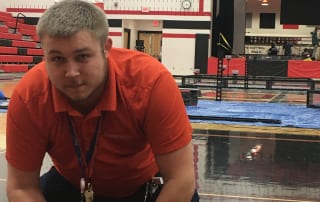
(273, 50)
(287, 48)
(110, 119)
(314, 36)
(307, 58)
(315, 43)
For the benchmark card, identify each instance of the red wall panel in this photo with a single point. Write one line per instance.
(234, 65)
(303, 69)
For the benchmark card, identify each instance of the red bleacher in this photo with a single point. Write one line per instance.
(10, 36)
(8, 50)
(28, 44)
(28, 32)
(4, 29)
(19, 44)
(14, 67)
(16, 58)
(10, 19)
(5, 14)
(20, 25)
(32, 51)
(20, 51)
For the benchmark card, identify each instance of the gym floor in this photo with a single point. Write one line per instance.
(236, 162)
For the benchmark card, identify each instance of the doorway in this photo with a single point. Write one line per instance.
(126, 39)
(152, 41)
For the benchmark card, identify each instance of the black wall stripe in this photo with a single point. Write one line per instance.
(173, 24)
(115, 22)
(111, 22)
(201, 53)
(31, 20)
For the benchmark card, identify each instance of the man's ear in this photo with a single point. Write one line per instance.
(108, 45)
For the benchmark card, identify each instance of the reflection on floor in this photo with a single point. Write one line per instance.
(238, 162)
(257, 166)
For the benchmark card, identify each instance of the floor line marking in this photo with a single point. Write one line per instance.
(257, 138)
(256, 129)
(252, 197)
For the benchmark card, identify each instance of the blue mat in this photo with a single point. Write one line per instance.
(4, 101)
(290, 115)
(3, 105)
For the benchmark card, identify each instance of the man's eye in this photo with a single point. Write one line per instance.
(83, 57)
(57, 59)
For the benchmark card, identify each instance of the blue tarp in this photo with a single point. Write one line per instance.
(3, 104)
(290, 115)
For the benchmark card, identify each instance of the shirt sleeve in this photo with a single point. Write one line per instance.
(25, 145)
(166, 123)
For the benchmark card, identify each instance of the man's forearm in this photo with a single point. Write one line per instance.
(30, 195)
(177, 191)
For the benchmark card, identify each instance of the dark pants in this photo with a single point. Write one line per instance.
(56, 188)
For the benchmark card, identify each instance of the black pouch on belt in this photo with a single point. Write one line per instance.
(153, 188)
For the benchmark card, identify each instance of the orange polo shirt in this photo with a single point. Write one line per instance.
(144, 114)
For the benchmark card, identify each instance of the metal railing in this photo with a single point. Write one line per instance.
(17, 19)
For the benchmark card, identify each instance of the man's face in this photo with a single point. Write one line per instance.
(76, 65)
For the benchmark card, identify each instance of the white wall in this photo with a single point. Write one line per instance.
(178, 55)
(152, 5)
(146, 25)
(2, 6)
(29, 3)
(207, 5)
(116, 40)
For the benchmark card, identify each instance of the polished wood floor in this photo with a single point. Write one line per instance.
(6, 86)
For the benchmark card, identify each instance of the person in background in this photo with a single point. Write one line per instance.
(307, 58)
(305, 53)
(273, 50)
(287, 48)
(111, 119)
(315, 43)
(314, 37)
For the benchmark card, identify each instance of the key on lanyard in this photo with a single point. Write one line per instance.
(88, 193)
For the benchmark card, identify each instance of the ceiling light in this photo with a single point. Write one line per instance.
(264, 3)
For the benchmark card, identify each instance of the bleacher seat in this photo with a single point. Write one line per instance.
(19, 44)
(14, 68)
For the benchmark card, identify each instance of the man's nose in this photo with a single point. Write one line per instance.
(72, 70)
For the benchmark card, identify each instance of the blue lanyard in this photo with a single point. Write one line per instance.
(77, 147)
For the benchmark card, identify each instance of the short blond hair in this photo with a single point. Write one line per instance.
(68, 17)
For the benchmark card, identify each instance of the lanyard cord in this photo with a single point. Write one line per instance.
(77, 148)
